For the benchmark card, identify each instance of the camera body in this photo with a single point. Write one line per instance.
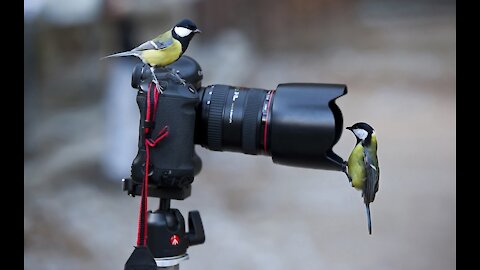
(171, 168)
(297, 124)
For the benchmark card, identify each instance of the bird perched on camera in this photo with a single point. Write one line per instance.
(165, 48)
(363, 170)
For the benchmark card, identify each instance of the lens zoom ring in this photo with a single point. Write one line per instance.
(214, 130)
(250, 128)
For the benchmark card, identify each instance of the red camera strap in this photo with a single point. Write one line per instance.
(149, 142)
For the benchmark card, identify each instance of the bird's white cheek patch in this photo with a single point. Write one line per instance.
(182, 31)
(360, 133)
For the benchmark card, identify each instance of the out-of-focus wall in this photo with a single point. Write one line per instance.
(397, 58)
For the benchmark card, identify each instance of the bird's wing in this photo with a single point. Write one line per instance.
(159, 43)
(372, 174)
(154, 45)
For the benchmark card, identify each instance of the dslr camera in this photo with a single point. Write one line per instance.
(297, 124)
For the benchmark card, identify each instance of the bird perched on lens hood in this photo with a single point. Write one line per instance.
(363, 170)
(165, 48)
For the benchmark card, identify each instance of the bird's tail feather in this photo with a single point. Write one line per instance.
(127, 53)
(369, 219)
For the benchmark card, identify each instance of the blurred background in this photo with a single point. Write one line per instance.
(397, 58)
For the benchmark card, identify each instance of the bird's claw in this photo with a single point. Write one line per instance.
(344, 170)
(155, 80)
(344, 166)
(158, 86)
(181, 81)
(176, 76)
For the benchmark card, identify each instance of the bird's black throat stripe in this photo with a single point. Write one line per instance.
(367, 141)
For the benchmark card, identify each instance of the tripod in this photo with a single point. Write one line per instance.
(167, 239)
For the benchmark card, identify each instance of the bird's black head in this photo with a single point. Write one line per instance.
(184, 32)
(362, 131)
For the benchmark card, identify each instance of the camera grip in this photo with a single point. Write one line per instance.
(172, 159)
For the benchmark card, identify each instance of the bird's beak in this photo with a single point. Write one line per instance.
(197, 31)
(349, 128)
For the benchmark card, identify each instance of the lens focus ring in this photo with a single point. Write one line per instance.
(215, 115)
(251, 121)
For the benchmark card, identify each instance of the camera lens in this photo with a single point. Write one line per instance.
(297, 124)
(231, 118)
